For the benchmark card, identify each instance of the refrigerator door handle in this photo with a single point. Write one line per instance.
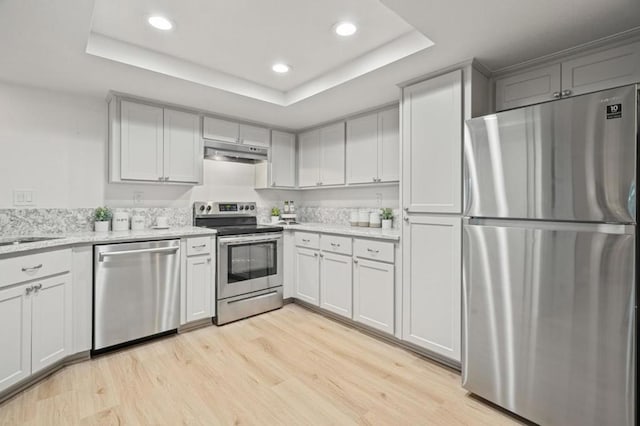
(631, 200)
(604, 228)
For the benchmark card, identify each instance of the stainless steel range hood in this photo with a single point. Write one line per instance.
(222, 151)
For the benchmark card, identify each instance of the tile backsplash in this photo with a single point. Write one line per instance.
(333, 215)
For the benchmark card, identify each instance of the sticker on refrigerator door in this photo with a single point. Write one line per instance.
(614, 111)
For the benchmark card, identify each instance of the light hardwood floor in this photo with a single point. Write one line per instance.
(289, 366)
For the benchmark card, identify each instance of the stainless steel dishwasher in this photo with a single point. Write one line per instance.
(136, 291)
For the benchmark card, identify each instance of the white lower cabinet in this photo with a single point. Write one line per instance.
(199, 287)
(15, 340)
(198, 279)
(40, 331)
(373, 294)
(336, 283)
(432, 262)
(307, 273)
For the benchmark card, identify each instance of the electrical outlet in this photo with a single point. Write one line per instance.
(137, 197)
(379, 198)
(24, 197)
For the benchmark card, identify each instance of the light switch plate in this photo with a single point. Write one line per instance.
(24, 197)
(137, 197)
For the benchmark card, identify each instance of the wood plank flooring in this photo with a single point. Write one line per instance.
(287, 367)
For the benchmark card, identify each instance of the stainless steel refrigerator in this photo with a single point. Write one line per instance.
(549, 249)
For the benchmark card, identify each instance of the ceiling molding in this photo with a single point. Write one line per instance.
(120, 51)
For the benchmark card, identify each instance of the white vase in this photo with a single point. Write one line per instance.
(275, 219)
(101, 226)
(387, 223)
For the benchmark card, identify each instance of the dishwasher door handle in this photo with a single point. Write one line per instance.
(149, 250)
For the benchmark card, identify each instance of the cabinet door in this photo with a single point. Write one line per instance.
(432, 256)
(531, 87)
(183, 155)
(254, 135)
(283, 159)
(141, 149)
(332, 155)
(15, 335)
(389, 145)
(308, 275)
(51, 321)
(373, 294)
(432, 145)
(220, 130)
(602, 70)
(309, 159)
(362, 149)
(199, 287)
(336, 282)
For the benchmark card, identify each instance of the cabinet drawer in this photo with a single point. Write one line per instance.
(198, 245)
(33, 266)
(336, 244)
(375, 250)
(308, 239)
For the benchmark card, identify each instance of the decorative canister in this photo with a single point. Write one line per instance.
(137, 222)
(374, 219)
(120, 221)
(353, 218)
(363, 217)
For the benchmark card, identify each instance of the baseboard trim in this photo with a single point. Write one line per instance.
(387, 338)
(190, 326)
(26, 383)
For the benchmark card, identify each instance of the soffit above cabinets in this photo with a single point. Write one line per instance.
(232, 45)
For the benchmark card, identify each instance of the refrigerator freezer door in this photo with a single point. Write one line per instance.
(573, 160)
(549, 320)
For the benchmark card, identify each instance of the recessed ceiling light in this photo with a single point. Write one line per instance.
(345, 29)
(281, 68)
(160, 22)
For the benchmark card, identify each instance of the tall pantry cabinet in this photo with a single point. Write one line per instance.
(433, 114)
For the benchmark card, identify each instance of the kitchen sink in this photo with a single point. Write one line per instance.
(22, 240)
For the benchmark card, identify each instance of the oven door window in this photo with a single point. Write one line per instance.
(251, 261)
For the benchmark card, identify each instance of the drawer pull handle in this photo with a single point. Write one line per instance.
(335, 245)
(304, 240)
(32, 268)
(199, 246)
(373, 251)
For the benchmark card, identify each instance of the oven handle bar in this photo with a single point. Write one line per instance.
(249, 239)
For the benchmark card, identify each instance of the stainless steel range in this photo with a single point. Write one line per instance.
(249, 259)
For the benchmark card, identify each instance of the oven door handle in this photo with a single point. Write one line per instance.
(226, 241)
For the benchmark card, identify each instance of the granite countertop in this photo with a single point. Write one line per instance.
(327, 228)
(90, 238)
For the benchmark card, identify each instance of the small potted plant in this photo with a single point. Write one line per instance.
(102, 217)
(275, 215)
(387, 218)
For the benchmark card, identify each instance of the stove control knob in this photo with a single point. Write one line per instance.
(208, 208)
(241, 208)
(202, 208)
(253, 207)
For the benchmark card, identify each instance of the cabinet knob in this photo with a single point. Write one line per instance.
(28, 290)
(273, 183)
(374, 179)
(355, 261)
(208, 260)
(406, 219)
(315, 254)
(321, 255)
(566, 92)
(556, 95)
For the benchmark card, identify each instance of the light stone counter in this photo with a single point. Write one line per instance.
(90, 238)
(354, 231)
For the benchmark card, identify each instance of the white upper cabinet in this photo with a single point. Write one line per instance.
(362, 149)
(332, 154)
(150, 143)
(602, 70)
(584, 73)
(283, 159)
(432, 264)
(142, 151)
(531, 87)
(254, 135)
(220, 130)
(309, 159)
(183, 151)
(232, 132)
(389, 145)
(373, 148)
(432, 145)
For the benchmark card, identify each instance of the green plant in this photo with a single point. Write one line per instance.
(102, 214)
(387, 214)
(275, 211)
